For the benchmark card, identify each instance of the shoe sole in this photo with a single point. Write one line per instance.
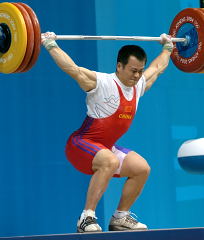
(79, 230)
(121, 228)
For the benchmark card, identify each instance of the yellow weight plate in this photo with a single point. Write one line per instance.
(12, 59)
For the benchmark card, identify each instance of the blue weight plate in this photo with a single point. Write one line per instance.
(188, 31)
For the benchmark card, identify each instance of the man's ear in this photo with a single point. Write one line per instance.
(119, 65)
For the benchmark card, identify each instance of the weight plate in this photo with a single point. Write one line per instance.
(37, 36)
(30, 38)
(188, 24)
(12, 17)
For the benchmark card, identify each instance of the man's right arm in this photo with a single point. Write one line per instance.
(160, 63)
(85, 77)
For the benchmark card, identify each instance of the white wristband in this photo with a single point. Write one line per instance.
(168, 46)
(49, 44)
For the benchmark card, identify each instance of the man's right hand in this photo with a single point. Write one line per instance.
(48, 40)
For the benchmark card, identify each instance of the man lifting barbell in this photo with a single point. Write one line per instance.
(112, 101)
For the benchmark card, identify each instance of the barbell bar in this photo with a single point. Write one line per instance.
(120, 38)
(19, 54)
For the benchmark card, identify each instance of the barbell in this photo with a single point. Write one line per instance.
(20, 38)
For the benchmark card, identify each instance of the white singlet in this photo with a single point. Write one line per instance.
(104, 100)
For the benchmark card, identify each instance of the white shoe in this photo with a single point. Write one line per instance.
(126, 223)
(88, 224)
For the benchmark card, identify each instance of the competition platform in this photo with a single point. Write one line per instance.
(157, 234)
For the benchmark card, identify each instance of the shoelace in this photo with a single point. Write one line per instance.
(132, 218)
(88, 221)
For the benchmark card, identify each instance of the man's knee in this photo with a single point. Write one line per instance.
(145, 170)
(143, 167)
(111, 163)
(105, 160)
(135, 165)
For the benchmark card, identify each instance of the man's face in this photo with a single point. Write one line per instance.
(130, 74)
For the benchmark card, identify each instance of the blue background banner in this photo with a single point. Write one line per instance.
(40, 192)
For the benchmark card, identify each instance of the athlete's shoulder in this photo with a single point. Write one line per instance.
(105, 82)
(105, 76)
(141, 85)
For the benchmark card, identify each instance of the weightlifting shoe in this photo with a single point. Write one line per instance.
(126, 223)
(88, 223)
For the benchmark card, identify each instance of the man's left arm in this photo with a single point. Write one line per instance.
(160, 63)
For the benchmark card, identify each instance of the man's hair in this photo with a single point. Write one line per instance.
(131, 50)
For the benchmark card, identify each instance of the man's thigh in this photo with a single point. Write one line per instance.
(133, 164)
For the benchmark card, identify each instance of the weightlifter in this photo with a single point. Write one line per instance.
(112, 101)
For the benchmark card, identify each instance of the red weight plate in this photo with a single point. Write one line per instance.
(201, 70)
(30, 39)
(37, 36)
(195, 62)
